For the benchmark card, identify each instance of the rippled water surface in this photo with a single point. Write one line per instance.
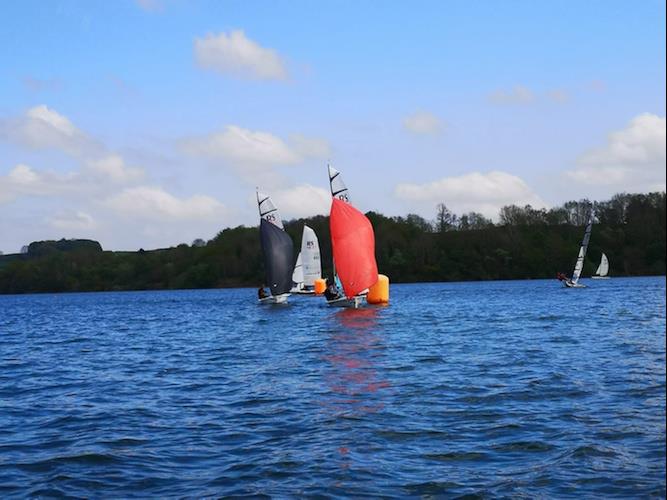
(493, 389)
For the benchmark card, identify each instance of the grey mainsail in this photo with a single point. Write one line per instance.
(278, 257)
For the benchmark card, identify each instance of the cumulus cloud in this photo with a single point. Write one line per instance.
(243, 146)
(235, 54)
(422, 122)
(299, 201)
(150, 202)
(114, 168)
(73, 221)
(517, 95)
(43, 128)
(253, 152)
(633, 158)
(480, 192)
(23, 180)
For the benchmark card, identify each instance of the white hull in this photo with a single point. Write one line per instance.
(353, 303)
(600, 277)
(277, 299)
(303, 292)
(570, 284)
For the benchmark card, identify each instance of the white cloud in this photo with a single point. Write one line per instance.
(632, 159)
(73, 221)
(148, 202)
(485, 193)
(44, 128)
(113, 167)
(239, 145)
(237, 55)
(309, 147)
(23, 180)
(301, 201)
(247, 149)
(422, 122)
(517, 95)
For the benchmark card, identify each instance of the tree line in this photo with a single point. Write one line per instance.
(525, 243)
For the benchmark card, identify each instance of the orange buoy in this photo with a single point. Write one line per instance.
(320, 286)
(379, 292)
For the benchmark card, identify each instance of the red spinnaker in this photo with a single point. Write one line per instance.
(353, 245)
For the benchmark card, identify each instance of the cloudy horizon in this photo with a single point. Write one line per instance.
(151, 123)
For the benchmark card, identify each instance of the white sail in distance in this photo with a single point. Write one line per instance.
(268, 211)
(579, 266)
(310, 257)
(603, 268)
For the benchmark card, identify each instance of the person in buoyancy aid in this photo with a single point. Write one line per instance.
(563, 277)
(261, 292)
(331, 291)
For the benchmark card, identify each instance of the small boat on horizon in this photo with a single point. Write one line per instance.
(573, 282)
(277, 248)
(603, 269)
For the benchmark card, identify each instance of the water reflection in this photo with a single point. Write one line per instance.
(354, 352)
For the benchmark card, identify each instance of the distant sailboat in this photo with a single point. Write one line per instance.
(308, 266)
(603, 269)
(579, 266)
(277, 250)
(353, 246)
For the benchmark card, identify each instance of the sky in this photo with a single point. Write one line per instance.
(150, 123)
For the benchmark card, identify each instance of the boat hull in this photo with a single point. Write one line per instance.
(569, 284)
(352, 303)
(599, 277)
(274, 299)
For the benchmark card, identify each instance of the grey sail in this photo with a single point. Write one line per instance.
(278, 257)
(579, 266)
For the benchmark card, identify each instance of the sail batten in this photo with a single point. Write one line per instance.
(268, 211)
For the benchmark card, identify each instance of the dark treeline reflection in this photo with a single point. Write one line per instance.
(525, 243)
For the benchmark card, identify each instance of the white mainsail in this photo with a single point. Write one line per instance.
(579, 266)
(603, 268)
(268, 211)
(338, 188)
(310, 257)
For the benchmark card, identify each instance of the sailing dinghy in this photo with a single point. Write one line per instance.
(579, 266)
(602, 270)
(277, 250)
(353, 246)
(308, 267)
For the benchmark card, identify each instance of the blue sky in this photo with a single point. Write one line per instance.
(149, 123)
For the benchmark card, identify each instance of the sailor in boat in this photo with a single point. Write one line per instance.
(563, 277)
(331, 292)
(261, 292)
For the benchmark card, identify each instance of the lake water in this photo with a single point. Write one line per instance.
(517, 388)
